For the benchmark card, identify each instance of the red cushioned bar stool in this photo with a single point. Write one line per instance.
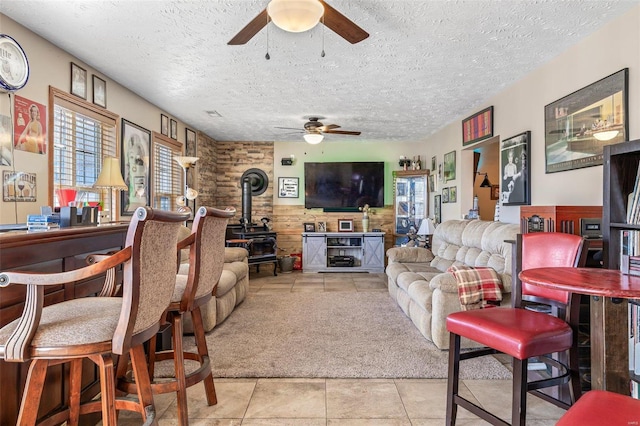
(523, 333)
(597, 408)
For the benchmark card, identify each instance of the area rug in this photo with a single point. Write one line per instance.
(330, 335)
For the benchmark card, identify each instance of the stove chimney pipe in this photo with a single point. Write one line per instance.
(246, 200)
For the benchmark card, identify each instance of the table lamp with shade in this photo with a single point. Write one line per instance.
(427, 228)
(111, 178)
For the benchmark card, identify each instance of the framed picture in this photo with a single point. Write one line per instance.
(433, 164)
(345, 225)
(515, 170)
(437, 208)
(78, 81)
(322, 226)
(29, 126)
(495, 192)
(453, 194)
(190, 143)
(288, 187)
(449, 166)
(440, 172)
(578, 126)
(18, 186)
(477, 127)
(174, 129)
(136, 146)
(99, 91)
(445, 195)
(164, 124)
(309, 227)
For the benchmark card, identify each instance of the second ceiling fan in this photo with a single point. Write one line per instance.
(287, 14)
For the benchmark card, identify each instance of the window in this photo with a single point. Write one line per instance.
(167, 175)
(82, 135)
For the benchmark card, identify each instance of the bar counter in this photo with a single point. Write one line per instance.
(55, 250)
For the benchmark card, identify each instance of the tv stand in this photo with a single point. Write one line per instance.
(343, 252)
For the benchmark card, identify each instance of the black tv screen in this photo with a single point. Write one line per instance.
(343, 186)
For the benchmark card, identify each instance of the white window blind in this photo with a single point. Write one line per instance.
(82, 136)
(167, 174)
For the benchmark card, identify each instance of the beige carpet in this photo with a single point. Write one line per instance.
(329, 335)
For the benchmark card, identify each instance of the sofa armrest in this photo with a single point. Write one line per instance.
(409, 255)
(235, 254)
(444, 282)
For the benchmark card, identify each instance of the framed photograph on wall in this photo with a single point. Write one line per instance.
(345, 225)
(433, 165)
(450, 166)
(99, 91)
(174, 129)
(495, 192)
(477, 127)
(78, 81)
(445, 195)
(164, 124)
(136, 146)
(288, 187)
(453, 194)
(515, 170)
(578, 126)
(309, 227)
(437, 208)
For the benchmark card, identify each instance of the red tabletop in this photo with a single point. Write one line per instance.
(591, 281)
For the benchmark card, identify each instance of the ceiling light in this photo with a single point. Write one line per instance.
(313, 138)
(295, 15)
(607, 135)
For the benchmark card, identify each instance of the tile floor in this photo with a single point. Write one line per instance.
(418, 402)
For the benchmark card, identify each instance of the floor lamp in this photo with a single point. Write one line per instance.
(111, 178)
(189, 193)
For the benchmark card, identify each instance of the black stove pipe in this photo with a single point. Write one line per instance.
(246, 200)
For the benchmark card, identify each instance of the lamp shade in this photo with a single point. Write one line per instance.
(295, 15)
(426, 227)
(485, 182)
(313, 138)
(110, 175)
(186, 162)
(606, 135)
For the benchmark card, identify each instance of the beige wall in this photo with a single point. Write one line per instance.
(520, 107)
(50, 65)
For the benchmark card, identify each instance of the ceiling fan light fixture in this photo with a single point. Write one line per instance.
(313, 138)
(295, 16)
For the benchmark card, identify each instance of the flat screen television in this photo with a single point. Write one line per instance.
(343, 186)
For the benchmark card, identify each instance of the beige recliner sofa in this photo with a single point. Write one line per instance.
(426, 293)
(231, 290)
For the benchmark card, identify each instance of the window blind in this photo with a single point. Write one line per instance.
(167, 175)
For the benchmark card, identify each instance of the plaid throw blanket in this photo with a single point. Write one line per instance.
(478, 288)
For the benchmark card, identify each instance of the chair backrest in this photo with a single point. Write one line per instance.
(149, 275)
(206, 255)
(547, 249)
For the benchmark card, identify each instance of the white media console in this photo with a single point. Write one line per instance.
(343, 252)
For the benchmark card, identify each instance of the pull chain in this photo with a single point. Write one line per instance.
(267, 57)
(322, 54)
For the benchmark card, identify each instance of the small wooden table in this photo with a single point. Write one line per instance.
(609, 374)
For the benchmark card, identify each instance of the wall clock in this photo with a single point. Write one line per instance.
(14, 67)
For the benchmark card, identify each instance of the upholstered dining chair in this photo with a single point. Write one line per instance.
(523, 333)
(97, 328)
(206, 259)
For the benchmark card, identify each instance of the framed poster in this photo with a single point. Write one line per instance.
(174, 129)
(78, 81)
(578, 126)
(164, 124)
(29, 126)
(136, 146)
(99, 91)
(437, 208)
(445, 195)
(477, 127)
(345, 225)
(18, 186)
(288, 187)
(515, 170)
(450, 166)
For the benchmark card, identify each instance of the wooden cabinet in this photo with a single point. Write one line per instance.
(343, 252)
(410, 201)
(51, 251)
(610, 363)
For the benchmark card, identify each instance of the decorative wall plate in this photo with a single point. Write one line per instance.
(14, 66)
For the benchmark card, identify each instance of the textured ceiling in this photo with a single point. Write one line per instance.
(424, 65)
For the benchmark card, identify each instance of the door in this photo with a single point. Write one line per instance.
(373, 256)
(314, 253)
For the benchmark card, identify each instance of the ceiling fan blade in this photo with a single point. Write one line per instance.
(289, 128)
(251, 29)
(328, 127)
(342, 132)
(343, 26)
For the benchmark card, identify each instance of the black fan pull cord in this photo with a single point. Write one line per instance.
(267, 56)
(322, 54)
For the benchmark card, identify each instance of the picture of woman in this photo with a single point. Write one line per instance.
(30, 126)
